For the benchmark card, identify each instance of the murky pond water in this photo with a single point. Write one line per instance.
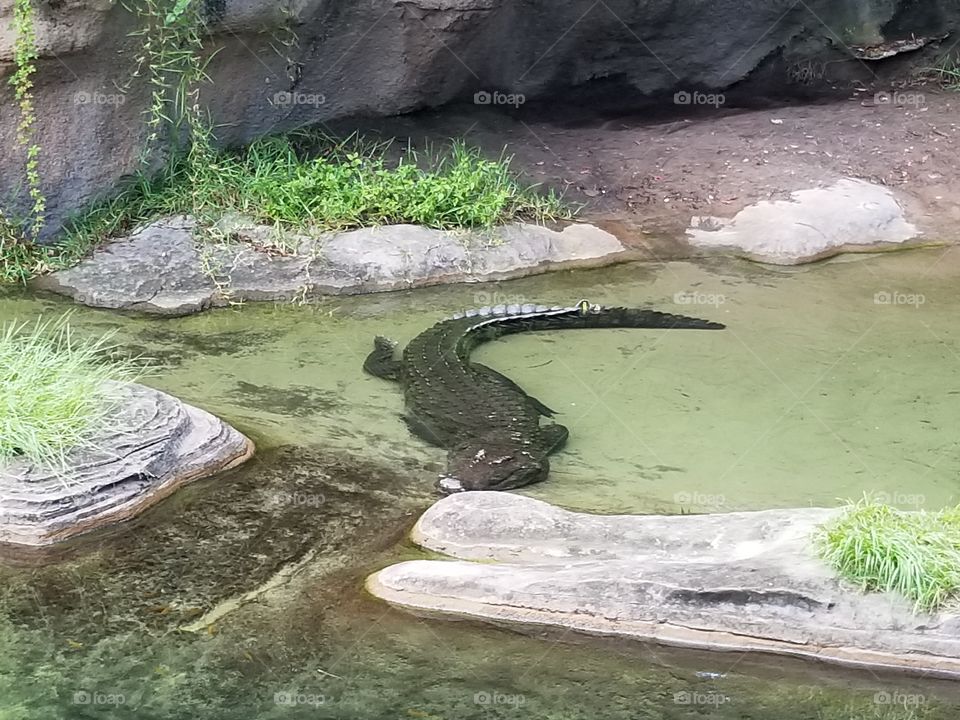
(831, 381)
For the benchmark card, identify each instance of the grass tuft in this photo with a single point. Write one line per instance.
(916, 554)
(22, 259)
(310, 181)
(298, 182)
(946, 72)
(53, 395)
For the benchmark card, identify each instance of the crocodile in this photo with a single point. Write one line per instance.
(490, 427)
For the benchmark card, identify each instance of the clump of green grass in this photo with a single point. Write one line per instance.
(53, 389)
(458, 189)
(22, 259)
(916, 554)
(303, 181)
(19, 258)
(946, 72)
(298, 182)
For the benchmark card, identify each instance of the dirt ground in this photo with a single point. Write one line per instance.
(644, 176)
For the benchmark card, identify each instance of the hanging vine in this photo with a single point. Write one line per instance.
(170, 60)
(24, 58)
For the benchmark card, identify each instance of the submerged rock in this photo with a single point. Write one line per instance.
(217, 544)
(162, 269)
(745, 581)
(848, 216)
(153, 445)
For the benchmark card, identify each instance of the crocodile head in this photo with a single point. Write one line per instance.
(491, 466)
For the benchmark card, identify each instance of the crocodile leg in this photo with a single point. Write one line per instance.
(553, 437)
(381, 362)
(422, 430)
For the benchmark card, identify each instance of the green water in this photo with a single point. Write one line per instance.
(815, 392)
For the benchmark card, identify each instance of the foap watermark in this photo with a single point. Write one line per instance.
(896, 297)
(899, 699)
(692, 297)
(285, 99)
(699, 499)
(299, 499)
(485, 697)
(900, 99)
(292, 698)
(492, 299)
(486, 97)
(695, 97)
(98, 98)
(95, 697)
(693, 697)
(901, 499)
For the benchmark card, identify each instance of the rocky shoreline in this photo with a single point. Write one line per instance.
(732, 582)
(165, 269)
(162, 269)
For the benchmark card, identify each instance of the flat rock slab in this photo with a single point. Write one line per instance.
(849, 216)
(746, 581)
(154, 445)
(163, 269)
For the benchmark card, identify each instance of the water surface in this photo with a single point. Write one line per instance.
(830, 381)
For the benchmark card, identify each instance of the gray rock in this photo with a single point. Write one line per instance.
(154, 444)
(745, 581)
(162, 269)
(849, 216)
(374, 58)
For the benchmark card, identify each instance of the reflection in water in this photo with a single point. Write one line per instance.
(817, 391)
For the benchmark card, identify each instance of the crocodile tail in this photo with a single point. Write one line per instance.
(636, 318)
(601, 317)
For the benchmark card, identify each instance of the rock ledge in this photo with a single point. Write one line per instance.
(745, 581)
(160, 269)
(155, 445)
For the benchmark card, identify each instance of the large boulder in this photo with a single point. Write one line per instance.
(154, 444)
(849, 215)
(371, 57)
(162, 269)
(746, 581)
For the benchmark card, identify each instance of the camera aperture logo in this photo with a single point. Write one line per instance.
(486, 97)
(696, 97)
(485, 697)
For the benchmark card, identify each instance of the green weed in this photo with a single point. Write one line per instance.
(53, 389)
(916, 554)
